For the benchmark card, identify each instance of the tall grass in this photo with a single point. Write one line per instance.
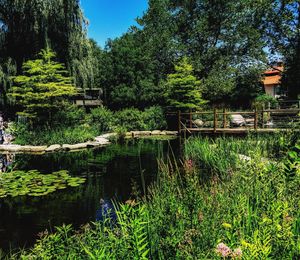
(253, 213)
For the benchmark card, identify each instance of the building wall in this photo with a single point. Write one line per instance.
(270, 90)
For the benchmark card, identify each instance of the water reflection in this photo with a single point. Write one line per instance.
(6, 162)
(109, 174)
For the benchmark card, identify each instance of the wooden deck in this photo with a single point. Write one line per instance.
(256, 121)
(238, 130)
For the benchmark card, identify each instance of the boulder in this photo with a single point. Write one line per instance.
(237, 120)
(53, 148)
(198, 122)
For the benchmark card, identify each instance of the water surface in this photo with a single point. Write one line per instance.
(116, 171)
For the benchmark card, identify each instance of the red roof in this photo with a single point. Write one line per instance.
(273, 76)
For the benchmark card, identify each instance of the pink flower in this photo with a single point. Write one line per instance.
(223, 250)
(237, 253)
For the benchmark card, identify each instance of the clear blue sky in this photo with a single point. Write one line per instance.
(111, 18)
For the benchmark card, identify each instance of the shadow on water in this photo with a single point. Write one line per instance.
(113, 172)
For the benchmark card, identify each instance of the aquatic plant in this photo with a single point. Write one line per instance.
(33, 183)
(253, 213)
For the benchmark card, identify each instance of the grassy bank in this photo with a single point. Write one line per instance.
(216, 205)
(75, 125)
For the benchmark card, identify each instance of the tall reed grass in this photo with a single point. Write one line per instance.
(245, 209)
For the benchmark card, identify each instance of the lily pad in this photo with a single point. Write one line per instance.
(33, 183)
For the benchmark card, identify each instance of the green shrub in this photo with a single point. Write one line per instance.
(102, 119)
(154, 118)
(130, 119)
(69, 115)
(58, 135)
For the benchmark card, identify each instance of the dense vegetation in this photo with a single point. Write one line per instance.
(228, 43)
(239, 209)
(234, 198)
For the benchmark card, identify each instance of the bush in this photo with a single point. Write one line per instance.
(58, 135)
(154, 118)
(69, 115)
(130, 119)
(102, 119)
(263, 100)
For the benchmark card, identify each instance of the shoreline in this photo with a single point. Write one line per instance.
(99, 141)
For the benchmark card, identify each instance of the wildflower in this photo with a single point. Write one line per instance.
(226, 225)
(223, 250)
(237, 253)
(245, 243)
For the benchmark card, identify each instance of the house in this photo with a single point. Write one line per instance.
(89, 97)
(272, 80)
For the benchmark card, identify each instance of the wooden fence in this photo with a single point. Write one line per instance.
(224, 121)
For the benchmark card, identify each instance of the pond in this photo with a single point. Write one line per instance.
(114, 172)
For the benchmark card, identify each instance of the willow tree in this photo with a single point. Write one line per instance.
(27, 26)
(43, 87)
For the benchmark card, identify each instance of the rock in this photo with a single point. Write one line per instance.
(53, 148)
(69, 147)
(237, 120)
(102, 140)
(33, 149)
(96, 144)
(145, 133)
(156, 132)
(198, 122)
(128, 134)
(10, 148)
(108, 135)
(171, 132)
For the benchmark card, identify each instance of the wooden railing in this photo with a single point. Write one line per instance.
(221, 120)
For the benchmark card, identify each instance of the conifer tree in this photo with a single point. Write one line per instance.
(183, 88)
(42, 88)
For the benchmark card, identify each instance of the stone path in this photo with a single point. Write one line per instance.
(99, 141)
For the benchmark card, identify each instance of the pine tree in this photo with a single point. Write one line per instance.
(43, 88)
(183, 88)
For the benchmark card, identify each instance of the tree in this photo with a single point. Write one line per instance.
(27, 26)
(283, 33)
(42, 88)
(183, 88)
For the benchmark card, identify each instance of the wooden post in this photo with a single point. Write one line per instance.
(255, 118)
(191, 119)
(224, 118)
(179, 121)
(263, 119)
(215, 120)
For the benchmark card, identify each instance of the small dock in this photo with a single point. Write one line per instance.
(238, 122)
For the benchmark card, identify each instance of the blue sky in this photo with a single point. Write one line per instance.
(111, 18)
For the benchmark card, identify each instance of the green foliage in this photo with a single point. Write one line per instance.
(42, 89)
(187, 214)
(33, 183)
(102, 119)
(183, 89)
(59, 135)
(70, 115)
(58, 24)
(154, 118)
(130, 119)
(263, 100)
